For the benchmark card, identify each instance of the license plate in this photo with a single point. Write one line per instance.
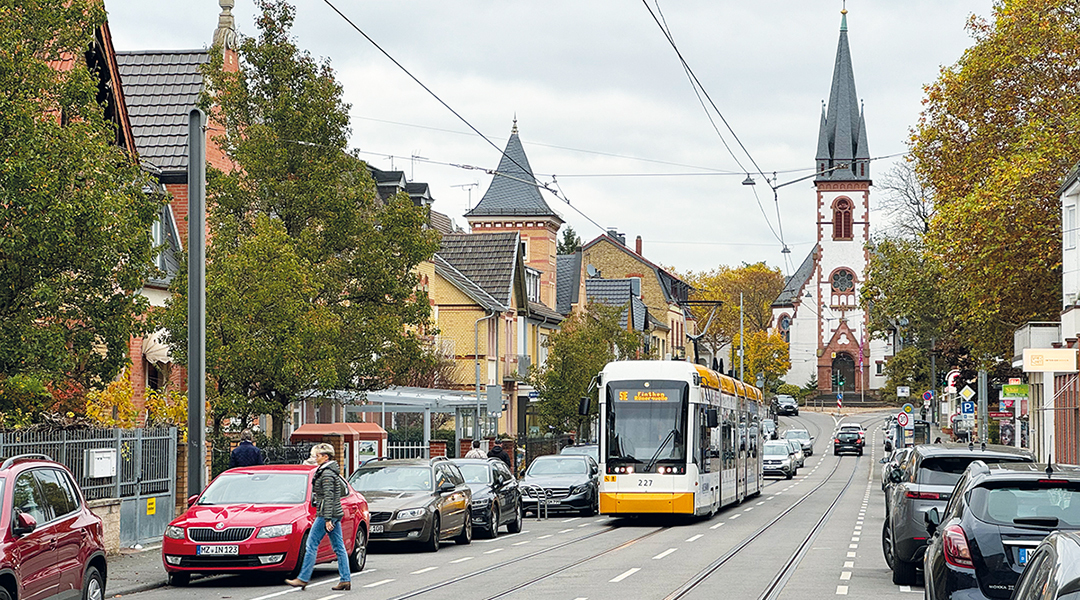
(376, 528)
(553, 502)
(1023, 556)
(212, 550)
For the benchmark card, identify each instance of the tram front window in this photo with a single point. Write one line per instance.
(646, 424)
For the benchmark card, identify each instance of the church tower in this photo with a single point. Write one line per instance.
(513, 203)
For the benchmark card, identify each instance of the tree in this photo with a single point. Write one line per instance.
(311, 282)
(906, 200)
(911, 367)
(570, 242)
(576, 354)
(907, 292)
(75, 223)
(995, 138)
(767, 358)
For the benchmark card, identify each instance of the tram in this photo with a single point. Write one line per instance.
(677, 438)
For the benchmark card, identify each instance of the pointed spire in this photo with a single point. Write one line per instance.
(842, 137)
(514, 130)
(225, 34)
(514, 190)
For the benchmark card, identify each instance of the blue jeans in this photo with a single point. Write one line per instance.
(318, 530)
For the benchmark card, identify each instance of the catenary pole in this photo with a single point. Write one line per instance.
(196, 303)
(742, 332)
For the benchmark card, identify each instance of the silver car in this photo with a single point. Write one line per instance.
(779, 459)
(797, 452)
(804, 438)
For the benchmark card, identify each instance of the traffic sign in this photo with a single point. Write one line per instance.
(967, 393)
(928, 395)
(908, 408)
(967, 408)
(903, 391)
(902, 419)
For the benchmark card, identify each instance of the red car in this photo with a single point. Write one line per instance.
(50, 543)
(257, 519)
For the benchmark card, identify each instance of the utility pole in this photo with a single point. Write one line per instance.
(196, 450)
(742, 332)
(984, 392)
(934, 404)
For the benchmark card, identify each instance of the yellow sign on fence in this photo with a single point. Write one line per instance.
(151, 506)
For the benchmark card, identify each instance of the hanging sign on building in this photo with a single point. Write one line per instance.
(1050, 360)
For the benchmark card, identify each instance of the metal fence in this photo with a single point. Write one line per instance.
(407, 450)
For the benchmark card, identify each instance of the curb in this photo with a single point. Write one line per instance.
(135, 589)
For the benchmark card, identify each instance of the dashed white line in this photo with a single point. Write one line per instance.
(845, 575)
(571, 519)
(566, 531)
(628, 573)
(760, 503)
(330, 597)
(664, 553)
(522, 543)
(851, 555)
(544, 537)
(734, 516)
(275, 594)
(849, 564)
(495, 550)
(717, 525)
(378, 583)
(425, 570)
(841, 590)
(461, 560)
(853, 546)
(694, 537)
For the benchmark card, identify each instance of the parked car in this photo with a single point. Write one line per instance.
(890, 462)
(51, 545)
(846, 441)
(997, 517)
(569, 483)
(416, 500)
(926, 480)
(496, 497)
(779, 459)
(803, 437)
(1053, 569)
(797, 452)
(787, 405)
(769, 430)
(590, 450)
(256, 519)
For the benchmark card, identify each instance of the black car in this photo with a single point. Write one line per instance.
(416, 500)
(925, 481)
(847, 441)
(1053, 570)
(997, 516)
(565, 482)
(496, 497)
(787, 405)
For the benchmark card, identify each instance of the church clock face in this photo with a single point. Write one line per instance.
(843, 281)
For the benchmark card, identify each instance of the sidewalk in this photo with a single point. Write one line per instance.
(135, 571)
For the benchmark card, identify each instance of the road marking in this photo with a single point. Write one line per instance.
(694, 537)
(749, 509)
(378, 583)
(583, 525)
(770, 497)
(520, 543)
(717, 525)
(760, 503)
(664, 553)
(500, 538)
(849, 564)
(275, 594)
(566, 531)
(841, 590)
(330, 597)
(544, 537)
(495, 550)
(907, 588)
(571, 519)
(851, 555)
(425, 570)
(734, 516)
(845, 575)
(628, 573)
(461, 560)
(855, 539)
(853, 546)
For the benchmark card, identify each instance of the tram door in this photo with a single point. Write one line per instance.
(753, 449)
(729, 433)
(741, 465)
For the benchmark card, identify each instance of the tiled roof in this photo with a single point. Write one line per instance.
(161, 87)
(487, 259)
(541, 312)
(513, 191)
(467, 287)
(440, 222)
(567, 281)
(618, 292)
(675, 289)
(793, 285)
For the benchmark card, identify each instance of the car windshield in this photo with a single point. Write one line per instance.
(557, 466)
(585, 450)
(392, 478)
(794, 445)
(1047, 503)
(796, 434)
(777, 449)
(785, 400)
(257, 488)
(946, 470)
(475, 472)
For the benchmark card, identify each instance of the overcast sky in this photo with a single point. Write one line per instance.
(603, 104)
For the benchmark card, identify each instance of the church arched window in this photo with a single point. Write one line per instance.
(842, 229)
(784, 325)
(843, 281)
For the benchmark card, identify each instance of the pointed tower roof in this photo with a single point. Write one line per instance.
(513, 191)
(842, 136)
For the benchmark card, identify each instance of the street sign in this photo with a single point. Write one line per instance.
(967, 408)
(926, 403)
(1015, 381)
(1000, 415)
(903, 391)
(908, 408)
(928, 395)
(967, 393)
(534, 394)
(902, 419)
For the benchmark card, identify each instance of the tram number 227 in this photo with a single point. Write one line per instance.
(644, 482)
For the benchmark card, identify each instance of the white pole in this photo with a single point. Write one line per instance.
(742, 331)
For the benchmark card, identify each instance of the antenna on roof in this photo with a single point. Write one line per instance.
(984, 446)
(1049, 470)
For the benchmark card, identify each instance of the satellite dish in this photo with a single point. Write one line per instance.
(591, 270)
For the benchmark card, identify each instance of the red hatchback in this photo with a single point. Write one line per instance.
(50, 543)
(257, 519)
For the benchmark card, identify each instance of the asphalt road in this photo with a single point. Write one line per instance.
(815, 536)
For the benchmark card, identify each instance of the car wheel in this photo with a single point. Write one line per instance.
(299, 556)
(492, 530)
(4, 593)
(790, 474)
(465, 537)
(887, 543)
(179, 579)
(93, 585)
(515, 525)
(432, 543)
(903, 572)
(358, 558)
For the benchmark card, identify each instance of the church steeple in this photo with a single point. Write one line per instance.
(842, 135)
(513, 191)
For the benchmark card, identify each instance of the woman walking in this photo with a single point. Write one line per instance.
(327, 490)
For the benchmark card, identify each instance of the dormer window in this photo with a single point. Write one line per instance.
(842, 219)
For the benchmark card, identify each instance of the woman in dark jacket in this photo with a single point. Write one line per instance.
(327, 489)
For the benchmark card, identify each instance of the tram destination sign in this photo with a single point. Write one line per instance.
(644, 396)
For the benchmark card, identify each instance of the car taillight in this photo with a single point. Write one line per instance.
(923, 495)
(957, 552)
(836, 441)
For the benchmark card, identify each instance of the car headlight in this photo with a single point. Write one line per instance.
(273, 531)
(580, 489)
(410, 513)
(480, 502)
(174, 532)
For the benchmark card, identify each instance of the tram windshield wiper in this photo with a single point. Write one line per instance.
(656, 456)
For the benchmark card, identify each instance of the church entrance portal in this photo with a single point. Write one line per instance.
(843, 366)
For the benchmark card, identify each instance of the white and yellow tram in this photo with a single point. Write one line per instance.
(676, 438)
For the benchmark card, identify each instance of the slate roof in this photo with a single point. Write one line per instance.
(675, 290)
(541, 312)
(842, 134)
(440, 222)
(488, 259)
(161, 87)
(618, 292)
(567, 281)
(463, 283)
(794, 285)
(510, 192)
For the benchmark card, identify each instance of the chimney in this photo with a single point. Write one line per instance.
(615, 235)
(637, 246)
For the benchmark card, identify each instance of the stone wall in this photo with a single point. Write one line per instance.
(109, 511)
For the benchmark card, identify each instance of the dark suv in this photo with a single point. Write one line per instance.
(925, 480)
(787, 405)
(996, 518)
(847, 441)
(417, 500)
(50, 543)
(496, 498)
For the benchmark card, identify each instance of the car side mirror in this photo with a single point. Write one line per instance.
(932, 520)
(888, 446)
(884, 460)
(191, 500)
(895, 475)
(24, 524)
(447, 486)
(711, 418)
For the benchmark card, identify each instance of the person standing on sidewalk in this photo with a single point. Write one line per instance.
(327, 489)
(246, 453)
